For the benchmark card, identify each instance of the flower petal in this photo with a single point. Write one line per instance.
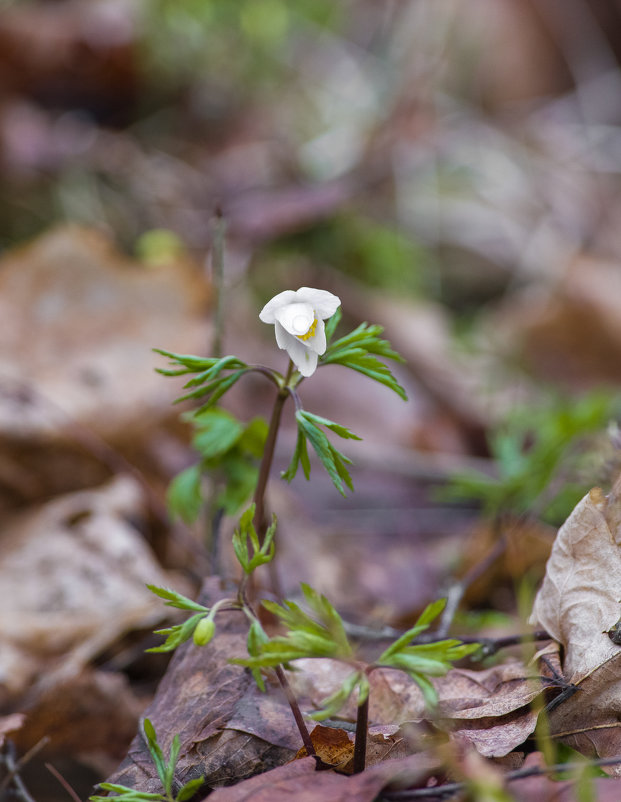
(303, 357)
(268, 313)
(308, 365)
(323, 302)
(317, 342)
(296, 318)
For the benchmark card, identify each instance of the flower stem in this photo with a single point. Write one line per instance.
(268, 456)
(295, 709)
(360, 745)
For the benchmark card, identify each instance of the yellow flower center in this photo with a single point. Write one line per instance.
(310, 333)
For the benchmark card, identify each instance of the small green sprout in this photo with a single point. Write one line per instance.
(166, 773)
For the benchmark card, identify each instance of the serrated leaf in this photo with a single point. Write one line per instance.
(188, 790)
(177, 634)
(323, 449)
(332, 705)
(292, 469)
(184, 497)
(178, 600)
(172, 762)
(154, 748)
(214, 390)
(359, 351)
(331, 325)
(342, 431)
(217, 432)
(253, 437)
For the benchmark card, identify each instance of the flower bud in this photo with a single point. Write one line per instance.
(204, 631)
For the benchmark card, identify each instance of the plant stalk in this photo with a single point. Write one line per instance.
(268, 455)
(297, 713)
(360, 745)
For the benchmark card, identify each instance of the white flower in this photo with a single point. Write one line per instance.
(298, 320)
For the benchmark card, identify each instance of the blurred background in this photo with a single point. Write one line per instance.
(451, 170)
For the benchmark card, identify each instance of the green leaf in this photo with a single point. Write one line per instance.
(154, 748)
(300, 443)
(172, 762)
(240, 478)
(184, 497)
(214, 390)
(326, 452)
(321, 635)
(332, 705)
(217, 432)
(253, 437)
(174, 599)
(177, 634)
(257, 638)
(331, 325)
(342, 431)
(189, 789)
(359, 351)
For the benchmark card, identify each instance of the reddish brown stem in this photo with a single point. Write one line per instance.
(360, 745)
(268, 455)
(295, 709)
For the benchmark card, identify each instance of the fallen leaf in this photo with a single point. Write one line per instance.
(79, 322)
(9, 724)
(72, 581)
(335, 747)
(299, 780)
(95, 712)
(578, 603)
(215, 708)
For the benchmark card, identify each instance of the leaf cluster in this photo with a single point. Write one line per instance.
(425, 660)
(213, 377)
(230, 451)
(166, 773)
(333, 460)
(359, 350)
(262, 553)
(178, 633)
(530, 450)
(320, 634)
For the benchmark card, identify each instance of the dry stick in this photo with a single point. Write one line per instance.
(511, 776)
(14, 766)
(458, 589)
(55, 773)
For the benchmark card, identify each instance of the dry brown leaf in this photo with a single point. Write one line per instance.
(578, 604)
(570, 331)
(488, 708)
(79, 322)
(300, 781)
(335, 747)
(72, 580)
(216, 709)
(9, 724)
(578, 601)
(95, 712)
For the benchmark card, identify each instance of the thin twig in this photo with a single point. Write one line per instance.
(458, 589)
(448, 789)
(217, 265)
(14, 766)
(55, 773)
